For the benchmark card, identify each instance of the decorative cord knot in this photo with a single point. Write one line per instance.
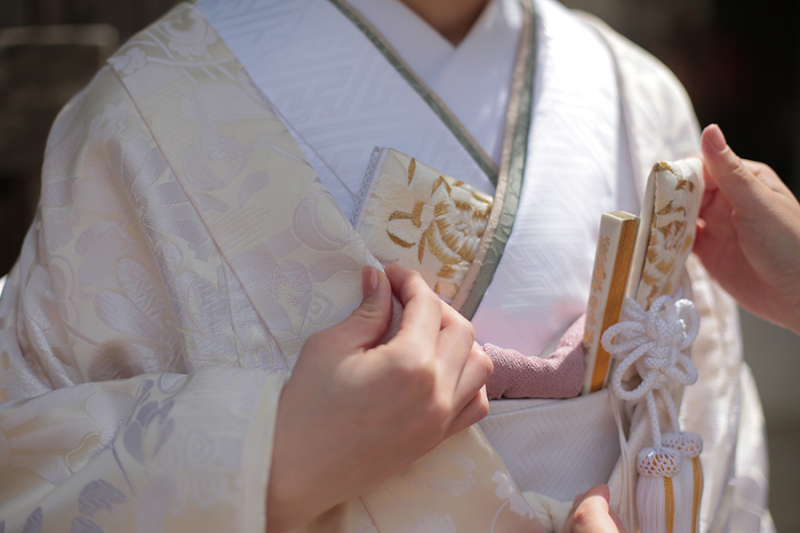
(654, 342)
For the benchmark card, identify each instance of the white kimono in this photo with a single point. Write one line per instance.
(184, 250)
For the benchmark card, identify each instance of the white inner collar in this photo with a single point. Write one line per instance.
(483, 61)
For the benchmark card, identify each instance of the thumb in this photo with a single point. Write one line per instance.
(737, 183)
(367, 324)
(590, 513)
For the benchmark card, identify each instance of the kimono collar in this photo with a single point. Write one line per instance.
(483, 61)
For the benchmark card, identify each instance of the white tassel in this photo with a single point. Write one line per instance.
(658, 492)
(655, 343)
(690, 479)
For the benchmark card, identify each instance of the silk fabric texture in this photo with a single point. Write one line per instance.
(154, 258)
(169, 206)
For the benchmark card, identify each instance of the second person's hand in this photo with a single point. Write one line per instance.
(749, 233)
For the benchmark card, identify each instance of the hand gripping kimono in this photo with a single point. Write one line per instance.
(198, 219)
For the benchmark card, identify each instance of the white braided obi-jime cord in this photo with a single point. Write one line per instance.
(655, 343)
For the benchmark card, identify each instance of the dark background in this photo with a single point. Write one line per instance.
(738, 60)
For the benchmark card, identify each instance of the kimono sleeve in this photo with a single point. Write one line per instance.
(131, 396)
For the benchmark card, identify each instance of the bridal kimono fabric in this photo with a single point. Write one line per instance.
(161, 297)
(183, 251)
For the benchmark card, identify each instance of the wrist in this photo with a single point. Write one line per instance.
(295, 503)
(303, 480)
(285, 509)
(290, 498)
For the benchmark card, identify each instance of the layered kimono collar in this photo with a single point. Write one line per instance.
(340, 97)
(338, 94)
(577, 168)
(474, 78)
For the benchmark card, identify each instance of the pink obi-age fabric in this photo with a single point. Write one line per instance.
(560, 375)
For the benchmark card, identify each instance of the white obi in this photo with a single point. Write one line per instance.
(559, 448)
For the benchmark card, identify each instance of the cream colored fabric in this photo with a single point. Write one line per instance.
(120, 278)
(461, 486)
(168, 245)
(184, 242)
(551, 512)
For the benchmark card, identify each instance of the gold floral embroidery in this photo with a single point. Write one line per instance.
(422, 219)
(678, 192)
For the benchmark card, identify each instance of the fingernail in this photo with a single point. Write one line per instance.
(716, 138)
(369, 280)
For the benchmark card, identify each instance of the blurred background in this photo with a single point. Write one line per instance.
(739, 61)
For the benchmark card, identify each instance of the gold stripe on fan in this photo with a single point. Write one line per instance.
(617, 232)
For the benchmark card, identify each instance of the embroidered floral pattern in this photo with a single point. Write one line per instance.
(421, 219)
(678, 191)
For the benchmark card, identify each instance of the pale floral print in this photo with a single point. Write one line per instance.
(211, 268)
(507, 490)
(163, 295)
(456, 479)
(130, 62)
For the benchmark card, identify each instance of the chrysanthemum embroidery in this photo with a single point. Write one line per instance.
(421, 219)
(671, 235)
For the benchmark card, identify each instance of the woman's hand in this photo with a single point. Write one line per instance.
(354, 413)
(590, 513)
(749, 233)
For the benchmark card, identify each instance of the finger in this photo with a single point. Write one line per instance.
(715, 224)
(474, 411)
(709, 191)
(600, 490)
(767, 176)
(731, 175)
(454, 346)
(592, 514)
(576, 501)
(473, 376)
(710, 185)
(422, 309)
(406, 283)
(617, 521)
(367, 324)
